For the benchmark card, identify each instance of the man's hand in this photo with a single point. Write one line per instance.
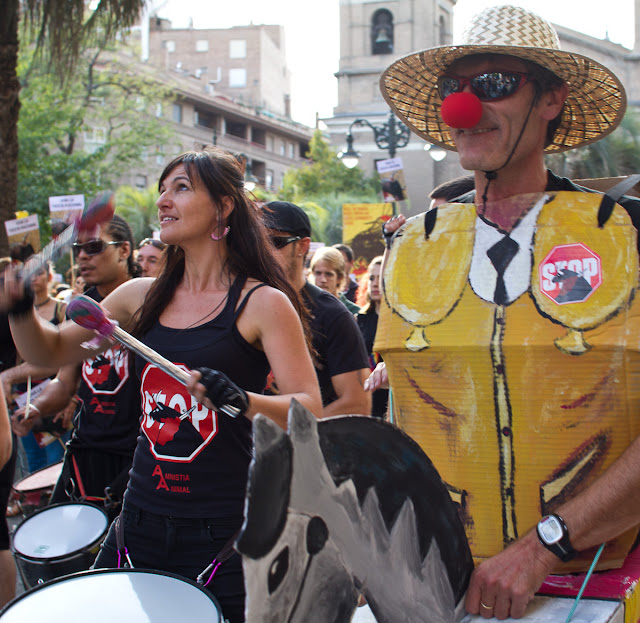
(378, 378)
(391, 226)
(22, 426)
(66, 415)
(503, 585)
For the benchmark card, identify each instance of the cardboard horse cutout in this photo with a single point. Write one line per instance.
(347, 506)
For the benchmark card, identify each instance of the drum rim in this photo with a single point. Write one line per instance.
(61, 557)
(93, 572)
(42, 469)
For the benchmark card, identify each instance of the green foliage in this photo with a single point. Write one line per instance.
(323, 185)
(615, 155)
(104, 98)
(63, 29)
(324, 175)
(138, 208)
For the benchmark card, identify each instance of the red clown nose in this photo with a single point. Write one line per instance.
(461, 110)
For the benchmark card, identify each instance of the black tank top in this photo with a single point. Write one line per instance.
(108, 415)
(195, 466)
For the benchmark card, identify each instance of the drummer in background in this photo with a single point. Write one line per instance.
(222, 304)
(106, 420)
(149, 255)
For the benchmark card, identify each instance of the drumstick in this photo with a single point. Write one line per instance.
(100, 210)
(91, 315)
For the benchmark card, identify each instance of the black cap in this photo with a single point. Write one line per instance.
(286, 216)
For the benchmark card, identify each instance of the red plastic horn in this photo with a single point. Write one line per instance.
(461, 110)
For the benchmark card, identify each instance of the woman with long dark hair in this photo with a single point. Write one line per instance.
(221, 302)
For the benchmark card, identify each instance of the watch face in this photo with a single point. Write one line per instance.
(550, 530)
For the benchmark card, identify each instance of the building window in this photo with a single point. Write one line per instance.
(283, 149)
(292, 151)
(382, 32)
(268, 180)
(94, 138)
(237, 48)
(170, 46)
(202, 45)
(237, 78)
(443, 31)
(141, 182)
(177, 113)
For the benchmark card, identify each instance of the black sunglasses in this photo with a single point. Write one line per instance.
(487, 86)
(92, 247)
(279, 242)
(158, 244)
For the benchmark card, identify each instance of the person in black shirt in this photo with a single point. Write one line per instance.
(340, 356)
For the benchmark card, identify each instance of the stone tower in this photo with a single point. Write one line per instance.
(372, 34)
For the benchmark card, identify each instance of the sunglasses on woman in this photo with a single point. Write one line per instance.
(92, 247)
(280, 242)
(158, 244)
(487, 86)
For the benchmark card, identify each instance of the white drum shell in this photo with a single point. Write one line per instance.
(115, 595)
(58, 540)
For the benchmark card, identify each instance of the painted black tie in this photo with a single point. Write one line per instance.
(501, 254)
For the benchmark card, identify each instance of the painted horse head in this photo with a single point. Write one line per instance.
(347, 506)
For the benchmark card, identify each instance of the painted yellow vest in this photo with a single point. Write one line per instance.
(520, 404)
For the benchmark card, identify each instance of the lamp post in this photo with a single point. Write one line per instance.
(390, 136)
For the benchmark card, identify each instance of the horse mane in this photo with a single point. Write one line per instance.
(375, 454)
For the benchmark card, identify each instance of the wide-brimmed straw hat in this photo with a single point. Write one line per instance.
(596, 101)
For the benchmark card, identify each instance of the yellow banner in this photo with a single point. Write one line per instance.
(362, 230)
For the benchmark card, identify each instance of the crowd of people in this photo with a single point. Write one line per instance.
(224, 293)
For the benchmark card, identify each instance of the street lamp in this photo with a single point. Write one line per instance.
(436, 153)
(390, 136)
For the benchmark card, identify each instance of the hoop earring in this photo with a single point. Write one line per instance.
(215, 236)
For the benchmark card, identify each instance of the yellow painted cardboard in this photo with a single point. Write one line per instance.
(523, 404)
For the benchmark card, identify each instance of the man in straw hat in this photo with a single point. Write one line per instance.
(511, 332)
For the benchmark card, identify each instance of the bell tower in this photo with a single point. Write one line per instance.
(373, 33)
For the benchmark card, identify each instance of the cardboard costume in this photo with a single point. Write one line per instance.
(514, 357)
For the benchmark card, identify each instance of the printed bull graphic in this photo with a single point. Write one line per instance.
(178, 428)
(107, 372)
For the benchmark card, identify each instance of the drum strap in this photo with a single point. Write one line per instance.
(121, 547)
(83, 493)
(224, 554)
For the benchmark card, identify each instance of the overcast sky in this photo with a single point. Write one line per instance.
(312, 33)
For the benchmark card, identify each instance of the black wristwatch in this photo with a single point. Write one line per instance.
(553, 534)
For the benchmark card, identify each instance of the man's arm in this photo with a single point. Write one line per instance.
(55, 397)
(20, 374)
(352, 399)
(609, 507)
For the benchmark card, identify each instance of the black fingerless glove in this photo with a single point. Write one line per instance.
(23, 305)
(224, 393)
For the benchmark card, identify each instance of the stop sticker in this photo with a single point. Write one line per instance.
(570, 273)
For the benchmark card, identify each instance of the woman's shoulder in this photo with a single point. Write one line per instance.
(264, 300)
(262, 292)
(128, 296)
